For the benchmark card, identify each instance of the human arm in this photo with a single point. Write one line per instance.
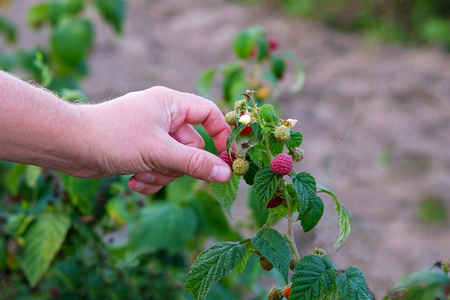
(127, 135)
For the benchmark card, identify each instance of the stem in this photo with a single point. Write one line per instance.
(244, 242)
(290, 223)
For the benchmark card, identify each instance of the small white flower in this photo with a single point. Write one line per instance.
(245, 119)
(291, 122)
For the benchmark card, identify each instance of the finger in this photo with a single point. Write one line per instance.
(154, 178)
(188, 136)
(192, 109)
(142, 188)
(193, 162)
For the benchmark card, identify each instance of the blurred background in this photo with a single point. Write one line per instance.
(374, 109)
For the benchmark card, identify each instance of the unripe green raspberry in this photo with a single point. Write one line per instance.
(297, 154)
(240, 105)
(240, 166)
(265, 264)
(293, 263)
(231, 118)
(282, 133)
(273, 294)
(320, 252)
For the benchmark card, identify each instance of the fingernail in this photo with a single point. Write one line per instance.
(220, 173)
(147, 177)
(139, 186)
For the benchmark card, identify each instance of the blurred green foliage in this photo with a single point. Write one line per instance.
(413, 22)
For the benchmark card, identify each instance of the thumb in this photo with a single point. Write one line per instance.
(195, 162)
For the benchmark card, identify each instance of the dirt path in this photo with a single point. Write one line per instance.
(359, 102)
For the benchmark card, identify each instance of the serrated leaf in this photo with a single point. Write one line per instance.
(276, 214)
(313, 278)
(315, 211)
(226, 192)
(272, 245)
(211, 266)
(305, 186)
(205, 81)
(240, 266)
(32, 174)
(81, 192)
(276, 147)
(162, 226)
(256, 155)
(295, 140)
(268, 114)
(245, 41)
(249, 177)
(113, 11)
(43, 239)
(266, 182)
(353, 286)
(233, 135)
(344, 217)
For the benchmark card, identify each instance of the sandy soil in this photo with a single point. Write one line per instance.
(359, 101)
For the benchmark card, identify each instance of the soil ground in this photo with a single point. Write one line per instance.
(360, 102)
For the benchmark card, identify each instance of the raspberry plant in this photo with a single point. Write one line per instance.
(263, 162)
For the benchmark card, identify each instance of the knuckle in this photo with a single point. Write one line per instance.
(196, 163)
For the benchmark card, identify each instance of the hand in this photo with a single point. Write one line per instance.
(130, 135)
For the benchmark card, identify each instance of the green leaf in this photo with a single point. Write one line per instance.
(81, 192)
(256, 155)
(278, 66)
(32, 174)
(276, 147)
(305, 186)
(313, 278)
(233, 135)
(233, 82)
(276, 214)
(72, 40)
(299, 72)
(47, 12)
(263, 48)
(249, 177)
(422, 285)
(353, 286)
(272, 245)
(266, 182)
(240, 266)
(344, 217)
(8, 29)
(268, 114)
(259, 217)
(46, 73)
(226, 192)
(43, 239)
(245, 41)
(162, 226)
(3, 252)
(315, 211)
(295, 140)
(211, 266)
(205, 81)
(18, 223)
(113, 11)
(14, 178)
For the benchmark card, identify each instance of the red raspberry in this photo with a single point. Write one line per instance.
(274, 202)
(287, 291)
(226, 158)
(273, 43)
(247, 130)
(282, 164)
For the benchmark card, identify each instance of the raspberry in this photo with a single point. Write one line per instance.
(274, 202)
(226, 158)
(265, 264)
(240, 166)
(297, 154)
(246, 131)
(239, 106)
(273, 43)
(282, 164)
(282, 133)
(273, 294)
(293, 263)
(287, 291)
(231, 118)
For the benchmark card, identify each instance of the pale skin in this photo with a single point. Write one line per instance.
(127, 135)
